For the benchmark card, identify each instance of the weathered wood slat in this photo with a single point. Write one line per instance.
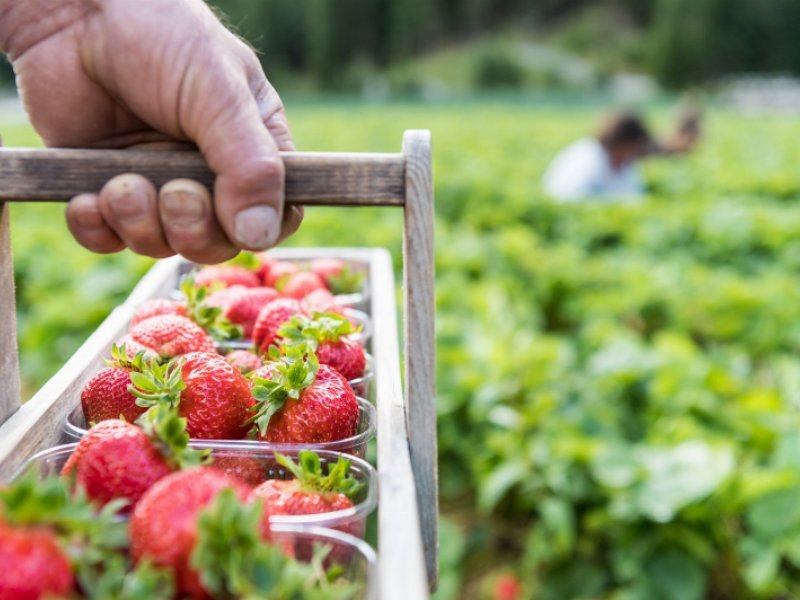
(420, 337)
(9, 363)
(312, 178)
(402, 571)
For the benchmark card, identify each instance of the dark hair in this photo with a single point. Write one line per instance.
(624, 128)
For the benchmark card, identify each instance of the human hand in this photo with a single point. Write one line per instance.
(687, 132)
(116, 73)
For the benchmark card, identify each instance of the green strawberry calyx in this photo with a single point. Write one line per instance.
(158, 383)
(95, 540)
(246, 260)
(234, 562)
(121, 359)
(209, 318)
(115, 580)
(292, 372)
(346, 281)
(309, 474)
(88, 535)
(314, 330)
(158, 388)
(167, 430)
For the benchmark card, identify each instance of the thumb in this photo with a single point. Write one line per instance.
(230, 132)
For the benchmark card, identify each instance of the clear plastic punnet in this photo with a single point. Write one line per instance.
(355, 558)
(254, 464)
(75, 427)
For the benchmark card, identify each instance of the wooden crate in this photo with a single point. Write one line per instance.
(407, 475)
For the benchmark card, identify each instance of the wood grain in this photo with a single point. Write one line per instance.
(312, 178)
(402, 571)
(420, 338)
(9, 363)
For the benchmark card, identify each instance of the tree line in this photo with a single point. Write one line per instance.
(687, 41)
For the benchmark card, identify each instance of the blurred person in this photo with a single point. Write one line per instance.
(150, 73)
(605, 167)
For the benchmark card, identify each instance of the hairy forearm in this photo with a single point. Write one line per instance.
(25, 23)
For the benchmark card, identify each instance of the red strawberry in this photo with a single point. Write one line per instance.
(46, 531)
(321, 301)
(328, 335)
(116, 460)
(106, 395)
(507, 587)
(170, 335)
(212, 395)
(338, 275)
(243, 360)
(156, 307)
(311, 491)
(164, 525)
(302, 401)
(134, 348)
(219, 299)
(265, 265)
(346, 356)
(270, 319)
(301, 284)
(34, 566)
(279, 272)
(226, 276)
(327, 267)
(244, 306)
(250, 470)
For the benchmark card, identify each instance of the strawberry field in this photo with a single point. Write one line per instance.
(619, 385)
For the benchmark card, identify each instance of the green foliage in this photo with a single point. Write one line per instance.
(210, 318)
(692, 41)
(95, 539)
(168, 432)
(343, 45)
(234, 562)
(498, 70)
(314, 330)
(308, 472)
(294, 370)
(346, 281)
(617, 383)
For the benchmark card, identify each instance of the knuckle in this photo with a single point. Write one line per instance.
(268, 168)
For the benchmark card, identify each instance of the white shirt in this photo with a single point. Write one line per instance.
(583, 170)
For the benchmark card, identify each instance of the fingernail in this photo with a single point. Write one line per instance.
(86, 213)
(183, 207)
(126, 198)
(257, 227)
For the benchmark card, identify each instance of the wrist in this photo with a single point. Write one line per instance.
(24, 23)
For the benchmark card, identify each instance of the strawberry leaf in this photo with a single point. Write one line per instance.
(246, 260)
(168, 431)
(90, 537)
(112, 580)
(295, 371)
(210, 318)
(234, 562)
(346, 281)
(158, 383)
(120, 358)
(314, 330)
(308, 472)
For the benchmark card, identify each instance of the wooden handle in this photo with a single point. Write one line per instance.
(312, 178)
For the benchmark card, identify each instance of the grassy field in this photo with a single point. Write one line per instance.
(618, 383)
